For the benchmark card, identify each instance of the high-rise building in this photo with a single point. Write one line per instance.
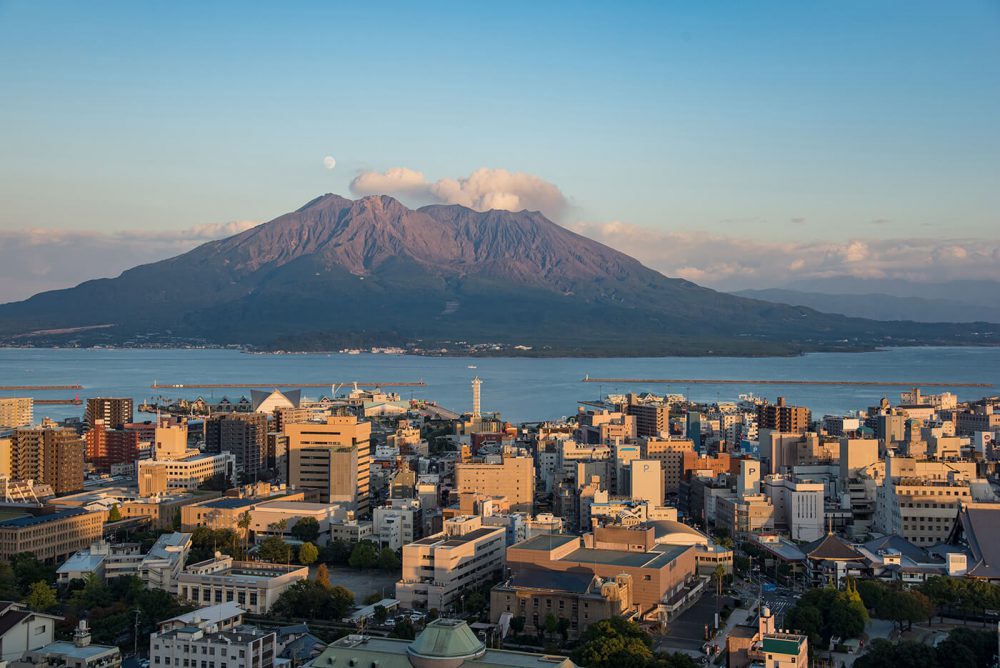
(111, 446)
(115, 411)
(513, 477)
(670, 453)
(244, 435)
(647, 481)
(651, 419)
(170, 440)
(477, 385)
(779, 416)
(333, 457)
(17, 412)
(49, 456)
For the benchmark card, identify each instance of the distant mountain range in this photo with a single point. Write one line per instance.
(882, 306)
(342, 273)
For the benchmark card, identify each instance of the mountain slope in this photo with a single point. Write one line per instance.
(882, 306)
(340, 272)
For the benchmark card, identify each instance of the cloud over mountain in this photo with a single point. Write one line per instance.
(482, 190)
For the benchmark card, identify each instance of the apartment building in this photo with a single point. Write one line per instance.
(671, 454)
(115, 412)
(48, 455)
(782, 417)
(239, 647)
(513, 476)
(17, 412)
(333, 457)
(439, 568)
(107, 447)
(398, 522)
(244, 435)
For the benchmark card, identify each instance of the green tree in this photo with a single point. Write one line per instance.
(380, 614)
(29, 570)
(388, 560)
(308, 554)
(42, 597)
(967, 647)
(115, 514)
(323, 576)
(306, 529)
(364, 555)
(614, 643)
(310, 600)
(243, 523)
(8, 583)
(433, 614)
(517, 624)
(551, 624)
(563, 627)
(882, 653)
(403, 629)
(275, 550)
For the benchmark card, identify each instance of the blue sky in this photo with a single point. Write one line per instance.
(811, 123)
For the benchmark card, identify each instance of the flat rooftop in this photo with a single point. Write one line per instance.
(657, 559)
(546, 542)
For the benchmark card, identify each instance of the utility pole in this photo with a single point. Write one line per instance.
(135, 633)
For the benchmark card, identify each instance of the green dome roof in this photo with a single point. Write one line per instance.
(447, 639)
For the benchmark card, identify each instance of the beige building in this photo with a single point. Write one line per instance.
(51, 534)
(17, 412)
(48, 455)
(158, 477)
(333, 457)
(171, 440)
(439, 568)
(253, 585)
(670, 453)
(513, 477)
(744, 516)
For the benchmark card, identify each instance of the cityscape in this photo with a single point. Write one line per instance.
(306, 531)
(526, 334)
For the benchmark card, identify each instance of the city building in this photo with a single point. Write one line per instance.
(79, 653)
(333, 457)
(23, 630)
(242, 434)
(398, 522)
(798, 506)
(444, 643)
(781, 417)
(50, 533)
(512, 476)
(48, 455)
(108, 447)
(197, 643)
(162, 476)
(252, 585)
(438, 569)
(17, 412)
(115, 412)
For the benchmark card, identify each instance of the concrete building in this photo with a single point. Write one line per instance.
(856, 454)
(115, 412)
(647, 481)
(333, 457)
(744, 516)
(158, 568)
(79, 653)
(108, 447)
(17, 412)
(657, 576)
(582, 599)
(159, 477)
(397, 523)
(438, 569)
(512, 477)
(798, 506)
(236, 647)
(51, 534)
(781, 417)
(48, 455)
(444, 643)
(244, 435)
(170, 440)
(252, 585)
(670, 453)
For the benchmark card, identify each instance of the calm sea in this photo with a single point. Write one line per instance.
(521, 389)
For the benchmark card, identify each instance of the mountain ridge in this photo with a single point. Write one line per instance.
(372, 271)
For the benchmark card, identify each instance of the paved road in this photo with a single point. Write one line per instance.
(687, 632)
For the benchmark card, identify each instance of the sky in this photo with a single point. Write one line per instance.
(735, 144)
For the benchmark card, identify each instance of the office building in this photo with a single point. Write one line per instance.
(513, 476)
(438, 569)
(78, 653)
(237, 647)
(781, 417)
(252, 585)
(333, 457)
(160, 477)
(51, 534)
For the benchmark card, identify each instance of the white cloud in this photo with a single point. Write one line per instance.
(732, 262)
(329, 162)
(482, 190)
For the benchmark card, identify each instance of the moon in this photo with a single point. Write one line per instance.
(329, 162)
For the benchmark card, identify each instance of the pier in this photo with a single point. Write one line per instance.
(38, 388)
(728, 381)
(76, 401)
(216, 386)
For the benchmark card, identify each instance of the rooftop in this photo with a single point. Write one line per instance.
(42, 518)
(64, 648)
(546, 542)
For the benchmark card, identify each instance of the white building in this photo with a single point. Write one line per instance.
(198, 644)
(439, 568)
(157, 568)
(397, 523)
(22, 630)
(190, 472)
(253, 585)
(798, 506)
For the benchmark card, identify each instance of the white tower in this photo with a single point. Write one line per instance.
(476, 394)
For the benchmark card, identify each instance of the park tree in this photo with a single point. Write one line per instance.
(306, 529)
(614, 643)
(42, 597)
(380, 614)
(308, 554)
(310, 600)
(517, 624)
(336, 553)
(323, 576)
(364, 555)
(563, 627)
(115, 514)
(275, 550)
(388, 560)
(551, 624)
(403, 629)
